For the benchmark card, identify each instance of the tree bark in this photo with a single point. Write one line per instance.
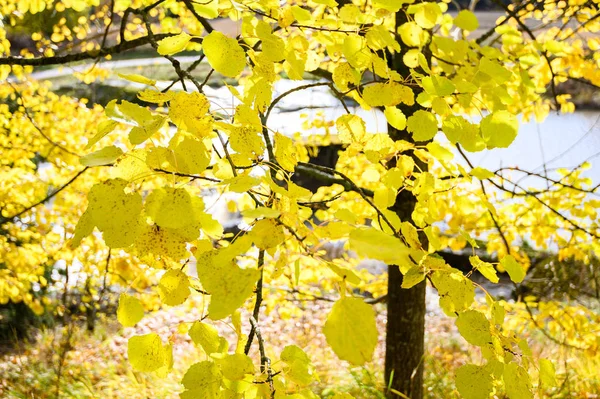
(405, 331)
(404, 342)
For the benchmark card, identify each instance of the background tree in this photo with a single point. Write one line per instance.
(415, 62)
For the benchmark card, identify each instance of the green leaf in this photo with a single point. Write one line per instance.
(474, 382)
(351, 330)
(474, 327)
(105, 156)
(514, 269)
(130, 310)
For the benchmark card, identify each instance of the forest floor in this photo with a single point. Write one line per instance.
(95, 365)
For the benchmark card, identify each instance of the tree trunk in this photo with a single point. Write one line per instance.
(404, 341)
(405, 331)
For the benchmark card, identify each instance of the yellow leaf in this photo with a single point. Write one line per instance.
(105, 156)
(351, 129)
(356, 52)
(481, 173)
(190, 155)
(422, 125)
(137, 79)
(130, 310)
(376, 244)
(267, 233)
(388, 94)
(499, 129)
(224, 54)
(439, 152)
(202, 380)
(174, 44)
(344, 76)
(206, 336)
(474, 382)
(485, 268)
(514, 269)
(455, 290)
(85, 227)
(170, 207)
(228, 284)
(301, 14)
(466, 20)
(411, 34)
(547, 373)
(146, 352)
(235, 366)
(351, 330)
(261, 212)
(174, 287)
(298, 368)
(517, 382)
(108, 198)
(104, 128)
(286, 152)
(189, 111)
(155, 97)
(459, 130)
(390, 5)
(395, 117)
(437, 85)
(242, 183)
(427, 15)
(474, 327)
(139, 134)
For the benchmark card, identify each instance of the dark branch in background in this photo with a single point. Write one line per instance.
(86, 55)
(317, 172)
(46, 198)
